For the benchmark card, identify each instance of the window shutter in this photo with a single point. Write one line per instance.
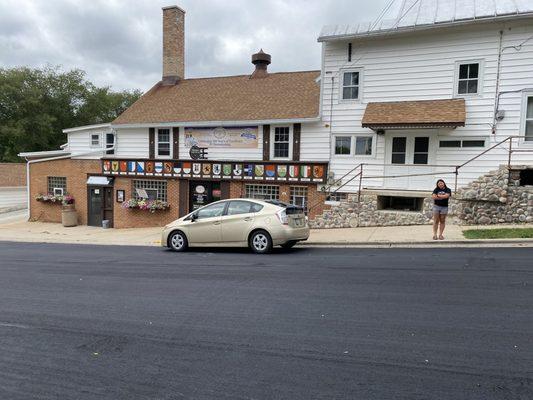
(176, 143)
(151, 143)
(296, 134)
(266, 142)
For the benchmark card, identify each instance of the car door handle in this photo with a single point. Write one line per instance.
(247, 219)
(216, 223)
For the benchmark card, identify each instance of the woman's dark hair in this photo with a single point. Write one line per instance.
(441, 180)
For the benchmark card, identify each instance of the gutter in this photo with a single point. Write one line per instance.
(217, 123)
(424, 27)
(28, 162)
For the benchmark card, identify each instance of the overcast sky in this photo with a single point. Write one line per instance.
(118, 42)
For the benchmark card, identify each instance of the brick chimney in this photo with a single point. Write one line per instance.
(261, 61)
(173, 45)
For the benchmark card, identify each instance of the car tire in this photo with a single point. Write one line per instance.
(177, 241)
(289, 245)
(260, 242)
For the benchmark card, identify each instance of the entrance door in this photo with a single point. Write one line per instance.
(100, 205)
(202, 193)
(410, 156)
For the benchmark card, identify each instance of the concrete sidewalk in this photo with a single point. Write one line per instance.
(16, 228)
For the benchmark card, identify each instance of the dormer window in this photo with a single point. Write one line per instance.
(350, 84)
(468, 80)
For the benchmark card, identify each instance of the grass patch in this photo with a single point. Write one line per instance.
(501, 233)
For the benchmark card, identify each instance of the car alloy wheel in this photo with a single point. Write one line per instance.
(178, 241)
(260, 242)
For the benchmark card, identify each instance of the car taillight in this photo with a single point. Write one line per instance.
(282, 216)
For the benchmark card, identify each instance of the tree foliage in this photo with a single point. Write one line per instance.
(37, 104)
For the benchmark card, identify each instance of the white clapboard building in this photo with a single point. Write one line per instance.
(415, 96)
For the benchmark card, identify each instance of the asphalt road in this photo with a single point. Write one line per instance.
(108, 322)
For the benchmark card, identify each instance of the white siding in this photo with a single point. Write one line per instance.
(422, 67)
(132, 143)
(79, 142)
(314, 142)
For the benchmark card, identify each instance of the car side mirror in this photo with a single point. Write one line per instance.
(194, 217)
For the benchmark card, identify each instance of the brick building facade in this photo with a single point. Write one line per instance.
(77, 172)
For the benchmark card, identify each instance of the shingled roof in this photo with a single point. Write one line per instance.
(423, 113)
(285, 95)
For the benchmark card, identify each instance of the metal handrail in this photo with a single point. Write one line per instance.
(346, 174)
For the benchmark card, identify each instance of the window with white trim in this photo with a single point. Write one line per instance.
(456, 143)
(109, 142)
(95, 140)
(343, 145)
(262, 192)
(358, 145)
(163, 143)
(363, 145)
(155, 189)
(468, 78)
(351, 81)
(57, 182)
(281, 145)
(299, 196)
(528, 129)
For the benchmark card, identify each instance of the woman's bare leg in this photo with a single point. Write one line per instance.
(436, 220)
(442, 225)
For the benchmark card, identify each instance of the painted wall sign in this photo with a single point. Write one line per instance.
(237, 137)
(244, 171)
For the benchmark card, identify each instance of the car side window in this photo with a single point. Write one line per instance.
(239, 207)
(256, 207)
(211, 211)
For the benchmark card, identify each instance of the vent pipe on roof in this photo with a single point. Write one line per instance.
(173, 45)
(261, 61)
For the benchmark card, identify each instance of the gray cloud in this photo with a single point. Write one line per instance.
(118, 42)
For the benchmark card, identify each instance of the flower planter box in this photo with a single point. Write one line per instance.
(146, 205)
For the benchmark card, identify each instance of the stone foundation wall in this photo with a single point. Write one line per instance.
(494, 198)
(351, 213)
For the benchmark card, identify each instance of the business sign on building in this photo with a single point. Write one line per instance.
(238, 137)
(244, 171)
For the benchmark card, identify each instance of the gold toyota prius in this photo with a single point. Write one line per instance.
(257, 224)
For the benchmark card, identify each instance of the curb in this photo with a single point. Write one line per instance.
(440, 243)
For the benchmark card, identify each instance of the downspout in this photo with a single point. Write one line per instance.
(496, 93)
(28, 162)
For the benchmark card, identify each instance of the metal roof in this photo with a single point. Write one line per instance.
(427, 14)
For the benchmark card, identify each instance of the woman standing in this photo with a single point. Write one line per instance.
(440, 196)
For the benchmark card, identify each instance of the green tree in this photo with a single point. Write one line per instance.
(37, 104)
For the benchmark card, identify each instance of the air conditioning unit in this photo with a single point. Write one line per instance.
(58, 191)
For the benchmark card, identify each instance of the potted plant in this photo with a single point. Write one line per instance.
(69, 216)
